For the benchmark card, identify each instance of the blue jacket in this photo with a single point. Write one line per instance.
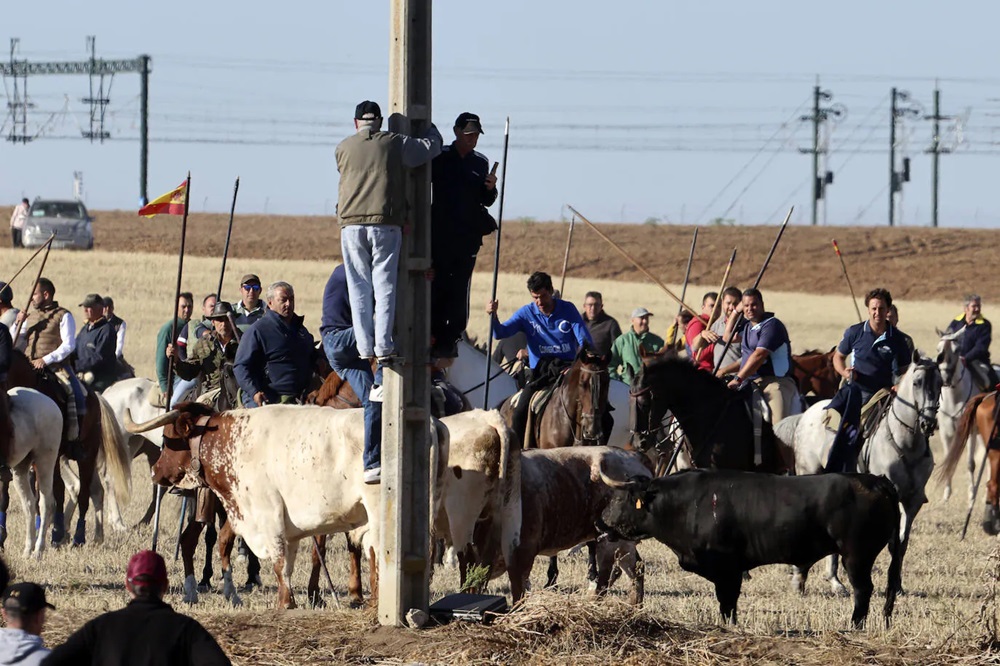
(976, 339)
(95, 350)
(275, 358)
(336, 303)
(877, 360)
(559, 335)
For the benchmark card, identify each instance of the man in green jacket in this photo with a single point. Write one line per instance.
(625, 358)
(206, 358)
(175, 327)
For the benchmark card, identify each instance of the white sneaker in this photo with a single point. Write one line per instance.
(375, 395)
(373, 475)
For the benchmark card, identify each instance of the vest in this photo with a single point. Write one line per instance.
(42, 329)
(372, 188)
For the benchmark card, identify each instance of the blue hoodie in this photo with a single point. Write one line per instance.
(19, 648)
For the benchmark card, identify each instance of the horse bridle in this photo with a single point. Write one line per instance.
(927, 414)
(595, 399)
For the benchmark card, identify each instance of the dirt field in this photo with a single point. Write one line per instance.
(948, 262)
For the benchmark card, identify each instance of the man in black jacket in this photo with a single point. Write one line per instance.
(147, 631)
(94, 356)
(463, 188)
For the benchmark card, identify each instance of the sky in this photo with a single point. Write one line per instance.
(661, 112)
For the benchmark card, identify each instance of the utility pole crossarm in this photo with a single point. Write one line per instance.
(25, 68)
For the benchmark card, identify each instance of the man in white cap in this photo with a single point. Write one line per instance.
(625, 356)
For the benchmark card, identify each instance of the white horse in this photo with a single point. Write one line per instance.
(37, 424)
(958, 386)
(468, 375)
(898, 449)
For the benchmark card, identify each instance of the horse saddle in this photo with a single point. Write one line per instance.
(871, 414)
(759, 411)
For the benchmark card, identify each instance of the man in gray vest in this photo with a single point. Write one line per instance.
(372, 211)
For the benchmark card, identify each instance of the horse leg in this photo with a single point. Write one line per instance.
(372, 575)
(354, 552)
(71, 481)
(800, 574)
(189, 543)
(87, 465)
(58, 521)
(253, 572)
(147, 517)
(227, 537)
(991, 521)
(553, 573)
(97, 497)
(211, 538)
(312, 589)
(22, 484)
(5, 479)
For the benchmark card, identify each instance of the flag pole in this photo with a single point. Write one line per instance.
(45, 257)
(173, 338)
(229, 234)
(496, 263)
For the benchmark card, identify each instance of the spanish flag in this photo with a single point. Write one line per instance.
(171, 203)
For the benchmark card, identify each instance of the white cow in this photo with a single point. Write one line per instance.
(282, 472)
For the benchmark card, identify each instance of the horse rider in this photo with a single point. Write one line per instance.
(94, 355)
(250, 309)
(8, 313)
(718, 334)
(274, 362)
(701, 356)
(340, 346)
(766, 357)
(48, 337)
(626, 359)
(208, 356)
(974, 347)
(893, 318)
(555, 332)
(174, 332)
(870, 357)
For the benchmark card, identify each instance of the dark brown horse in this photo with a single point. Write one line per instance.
(814, 372)
(980, 414)
(99, 432)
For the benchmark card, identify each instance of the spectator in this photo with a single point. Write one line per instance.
(604, 329)
(204, 327)
(94, 356)
(372, 210)
(893, 318)
(174, 332)
(147, 631)
(24, 607)
(251, 308)
(626, 359)
(8, 313)
(17, 220)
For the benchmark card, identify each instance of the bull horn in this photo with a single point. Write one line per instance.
(615, 483)
(159, 421)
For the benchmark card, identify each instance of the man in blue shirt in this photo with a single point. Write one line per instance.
(870, 357)
(974, 345)
(340, 345)
(555, 332)
(766, 357)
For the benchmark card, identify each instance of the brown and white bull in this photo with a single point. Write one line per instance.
(282, 472)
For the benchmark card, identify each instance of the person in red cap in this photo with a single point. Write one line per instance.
(24, 607)
(147, 631)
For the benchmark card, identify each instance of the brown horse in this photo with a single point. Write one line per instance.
(99, 432)
(813, 371)
(980, 413)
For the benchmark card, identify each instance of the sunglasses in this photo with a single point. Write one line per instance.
(251, 287)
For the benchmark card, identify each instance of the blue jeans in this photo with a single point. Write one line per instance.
(371, 261)
(181, 387)
(342, 352)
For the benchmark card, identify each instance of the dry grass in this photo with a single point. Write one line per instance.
(951, 584)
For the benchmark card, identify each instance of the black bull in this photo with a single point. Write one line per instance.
(722, 523)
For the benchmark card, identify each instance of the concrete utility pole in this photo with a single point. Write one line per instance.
(818, 117)
(404, 561)
(897, 178)
(936, 149)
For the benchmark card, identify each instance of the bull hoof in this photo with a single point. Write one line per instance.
(989, 526)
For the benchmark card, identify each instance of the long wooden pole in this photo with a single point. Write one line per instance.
(722, 287)
(569, 242)
(45, 258)
(632, 261)
(684, 287)
(173, 340)
(496, 263)
(30, 259)
(843, 266)
(229, 234)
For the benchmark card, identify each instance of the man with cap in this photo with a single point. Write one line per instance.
(463, 189)
(8, 313)
(250, 307)
(372, 211)
(626, 359)
(208, 356)
(146, 631)
(94, 357)
(974, 345)
(24, 607)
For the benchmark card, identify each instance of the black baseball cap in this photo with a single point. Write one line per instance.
(468, 123)
(367, 110)
(25, 598)
(93, 301)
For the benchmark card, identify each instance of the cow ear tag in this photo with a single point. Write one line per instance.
(638, 504)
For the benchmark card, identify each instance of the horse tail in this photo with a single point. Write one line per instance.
(894, 579)
(965, 424)
(116, 453)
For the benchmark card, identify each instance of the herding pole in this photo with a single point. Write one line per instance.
(496, 262)
(843, 266)
(756, 284)
(30, 259)
(173, 338)
(722, 287)
(45, 257)
(229, 234)
(684, 287)
(569, 241)
(632, 261)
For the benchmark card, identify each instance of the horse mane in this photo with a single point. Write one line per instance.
(683, 372)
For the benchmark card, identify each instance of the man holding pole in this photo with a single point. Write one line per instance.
(464, 187)
(702, 356)
(176, 326)
(711, 336)
(555, 333)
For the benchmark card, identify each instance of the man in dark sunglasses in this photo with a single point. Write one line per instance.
(250, 308)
